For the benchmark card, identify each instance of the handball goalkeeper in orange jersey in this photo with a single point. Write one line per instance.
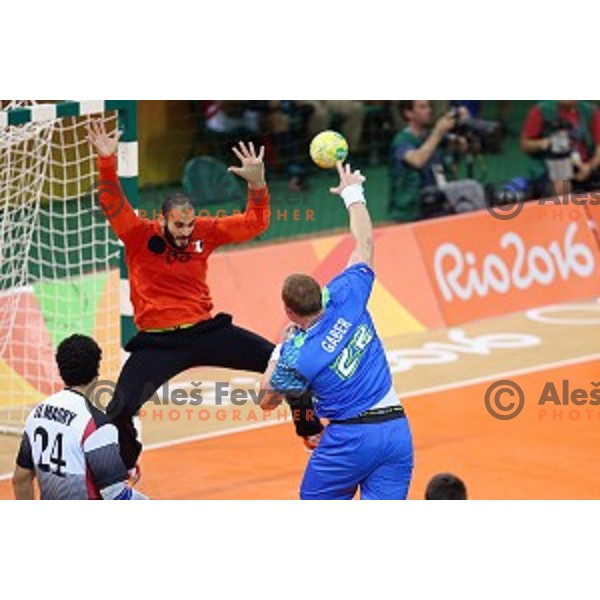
(167, 260)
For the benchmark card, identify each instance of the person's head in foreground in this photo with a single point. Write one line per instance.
(302, 299)
(78, 456)
(446, 486)
(302, 294)
(78, 359)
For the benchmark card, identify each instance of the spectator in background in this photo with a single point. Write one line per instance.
(438, 109)
(446, 486)
(419, 183)
(265, 120)
(563, 137)
(229, 116)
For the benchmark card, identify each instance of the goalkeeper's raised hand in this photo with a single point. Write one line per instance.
(253, 167)
(104, 144)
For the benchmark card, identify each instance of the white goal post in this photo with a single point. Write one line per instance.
(60, 264)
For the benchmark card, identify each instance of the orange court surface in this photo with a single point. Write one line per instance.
(548, 451)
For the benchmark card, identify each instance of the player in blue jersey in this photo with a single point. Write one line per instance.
(332, 348)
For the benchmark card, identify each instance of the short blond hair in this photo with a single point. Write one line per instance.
(302, 295)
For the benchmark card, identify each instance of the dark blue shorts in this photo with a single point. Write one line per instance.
(377, 457)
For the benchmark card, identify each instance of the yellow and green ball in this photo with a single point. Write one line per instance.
(328, 147)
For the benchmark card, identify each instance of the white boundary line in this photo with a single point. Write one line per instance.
(420, 392)
(524, 371)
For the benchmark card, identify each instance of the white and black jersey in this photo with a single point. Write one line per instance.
(74, 450)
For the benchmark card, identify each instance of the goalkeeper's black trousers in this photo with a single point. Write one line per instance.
(157, 357)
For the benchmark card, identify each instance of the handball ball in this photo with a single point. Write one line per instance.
(328, 147)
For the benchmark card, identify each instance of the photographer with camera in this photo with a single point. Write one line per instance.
(419, 175)
(563, 138)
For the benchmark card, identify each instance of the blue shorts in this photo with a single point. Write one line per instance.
(377, 457)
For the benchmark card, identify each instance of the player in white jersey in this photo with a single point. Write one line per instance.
(69, 445)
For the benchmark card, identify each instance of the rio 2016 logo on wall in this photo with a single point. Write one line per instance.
(482, 267)
(460, 275)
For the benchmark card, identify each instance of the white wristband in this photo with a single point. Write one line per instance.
(276, 353)
(353, 194)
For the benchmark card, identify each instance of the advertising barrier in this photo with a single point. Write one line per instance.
(430, 274)
(247, 283)
(481, 267)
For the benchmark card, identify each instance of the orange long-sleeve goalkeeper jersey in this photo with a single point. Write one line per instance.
(168, 286)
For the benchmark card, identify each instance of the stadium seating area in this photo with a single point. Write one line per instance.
(173, 133)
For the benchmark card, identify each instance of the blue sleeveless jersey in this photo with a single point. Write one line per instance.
(340, 358)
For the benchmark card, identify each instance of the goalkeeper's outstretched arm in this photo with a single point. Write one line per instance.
(255, 219)
(112, 198)
(352, 192)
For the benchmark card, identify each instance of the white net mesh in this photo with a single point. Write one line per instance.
(58, 259)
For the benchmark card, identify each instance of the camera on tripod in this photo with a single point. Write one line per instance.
(482, 135)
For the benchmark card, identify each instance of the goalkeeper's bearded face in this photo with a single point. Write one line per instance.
(179, 226)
